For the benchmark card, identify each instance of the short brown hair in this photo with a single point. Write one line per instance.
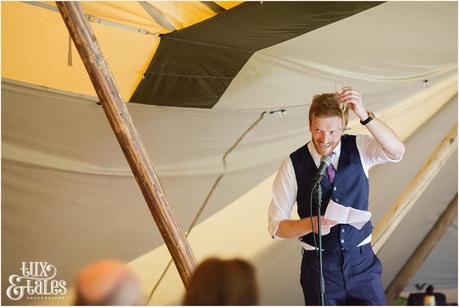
(327, 105)
(222, 282)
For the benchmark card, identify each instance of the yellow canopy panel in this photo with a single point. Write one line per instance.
(36, 46)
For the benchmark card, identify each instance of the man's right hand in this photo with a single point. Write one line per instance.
(296, 228)
(325, 223)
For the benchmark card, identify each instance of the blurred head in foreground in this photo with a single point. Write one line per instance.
(223, 282)
(107, 282)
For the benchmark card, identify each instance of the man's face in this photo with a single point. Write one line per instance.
(326, 133)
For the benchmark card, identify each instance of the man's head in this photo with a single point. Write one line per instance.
(107, 282)
(326, 122)
(223, 282)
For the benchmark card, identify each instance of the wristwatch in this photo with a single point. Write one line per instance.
(370, 117)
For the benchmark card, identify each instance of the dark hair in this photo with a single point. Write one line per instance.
(222, 282)
(327, 105)
(429, 290)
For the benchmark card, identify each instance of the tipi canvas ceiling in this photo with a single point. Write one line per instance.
(69, 197)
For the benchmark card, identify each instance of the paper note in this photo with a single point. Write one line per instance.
(347, 215)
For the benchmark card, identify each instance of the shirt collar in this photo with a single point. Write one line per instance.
(316, 156)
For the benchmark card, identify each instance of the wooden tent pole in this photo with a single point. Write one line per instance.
(124, 129)
(414, 189)
(422, 251)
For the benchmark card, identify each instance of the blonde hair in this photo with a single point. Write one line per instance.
(328, 105)
(107, 282)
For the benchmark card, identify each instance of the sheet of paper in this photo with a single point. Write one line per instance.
(347, 215)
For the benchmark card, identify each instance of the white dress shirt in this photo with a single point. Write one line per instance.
(285, 187)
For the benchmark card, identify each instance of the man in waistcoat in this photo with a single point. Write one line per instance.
(352, 272)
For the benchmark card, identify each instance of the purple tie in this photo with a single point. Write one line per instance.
(331, 172)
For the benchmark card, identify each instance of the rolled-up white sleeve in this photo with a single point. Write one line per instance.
(284, 196)
(371, 152)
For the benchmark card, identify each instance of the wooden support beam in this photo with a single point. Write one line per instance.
(414, 189)
(422, 251)
(124, 129)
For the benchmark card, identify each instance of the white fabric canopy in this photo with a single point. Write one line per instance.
(68, 195)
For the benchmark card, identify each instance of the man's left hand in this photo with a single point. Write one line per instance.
(353, 99)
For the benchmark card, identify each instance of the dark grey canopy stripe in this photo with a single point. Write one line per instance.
(193, 66)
